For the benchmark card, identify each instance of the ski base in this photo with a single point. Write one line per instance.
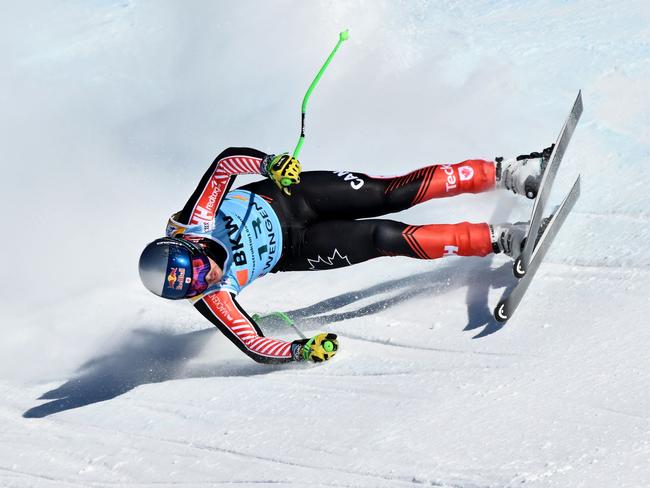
(521, 264)
(508, 304)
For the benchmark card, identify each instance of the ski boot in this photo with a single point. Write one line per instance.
(509, 238)
(523, 174)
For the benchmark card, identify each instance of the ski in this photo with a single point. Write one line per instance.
(522, 263)
(551, 226)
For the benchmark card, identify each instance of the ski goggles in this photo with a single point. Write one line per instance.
(200, 270)
(187, 269)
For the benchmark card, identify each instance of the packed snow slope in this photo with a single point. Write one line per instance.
(112, 110)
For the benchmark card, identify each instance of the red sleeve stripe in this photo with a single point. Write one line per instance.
(270, 345)
(258, 343)
(237, 328)
(264, 346)
(277, 348)
(208, 202)
(237, 165)
(223, 307)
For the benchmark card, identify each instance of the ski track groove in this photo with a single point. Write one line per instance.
(609, 267)
(23, 475)
(622, 413)
(382, 374)
(203, 448)
(600, 269)
(387, 394)
(386, 342)
(281, 462)
(206, 484)
(193, 483)
(637, 217)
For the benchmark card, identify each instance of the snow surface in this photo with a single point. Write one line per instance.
(111, 111)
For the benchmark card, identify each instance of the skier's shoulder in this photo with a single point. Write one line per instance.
(210, 295)
(235, 151)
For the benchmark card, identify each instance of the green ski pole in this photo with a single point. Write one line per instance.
(343, 36)
(282, 316)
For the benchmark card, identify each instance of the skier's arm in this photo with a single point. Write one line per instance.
(226, 314)
(217, 180)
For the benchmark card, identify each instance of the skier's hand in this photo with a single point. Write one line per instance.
(284, 171)
(317, 349)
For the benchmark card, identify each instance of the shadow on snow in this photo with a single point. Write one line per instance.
(144, 357)
(148, 356)
(477, 275)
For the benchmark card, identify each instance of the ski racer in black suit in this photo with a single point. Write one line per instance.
(224, 239)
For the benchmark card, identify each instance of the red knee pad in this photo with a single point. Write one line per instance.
(446, 180)
(439, 240)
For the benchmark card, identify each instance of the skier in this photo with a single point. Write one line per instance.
(223, 240)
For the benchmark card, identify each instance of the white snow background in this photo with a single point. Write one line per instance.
(110, 111)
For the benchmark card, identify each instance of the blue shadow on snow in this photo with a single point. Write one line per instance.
(148, 356)
(144, 357)
(475, 274)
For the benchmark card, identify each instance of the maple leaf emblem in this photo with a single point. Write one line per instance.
(334, 261)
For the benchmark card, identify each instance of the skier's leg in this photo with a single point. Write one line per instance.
(342, 194)
(338, 243)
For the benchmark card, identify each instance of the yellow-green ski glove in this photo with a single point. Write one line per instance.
(317, 349)
(284, 171)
